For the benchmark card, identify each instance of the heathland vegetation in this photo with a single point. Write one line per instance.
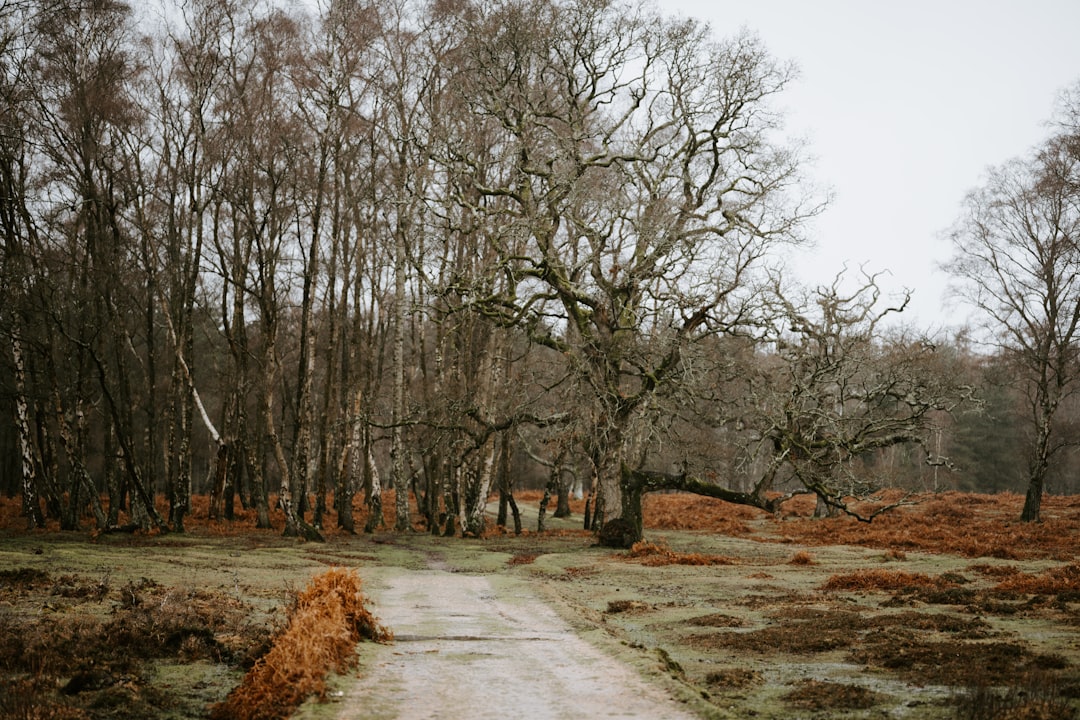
(946, 608)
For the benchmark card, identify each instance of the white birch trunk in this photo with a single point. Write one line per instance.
(31, 506)
(397, 448)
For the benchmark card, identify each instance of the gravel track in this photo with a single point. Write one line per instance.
(484, 646)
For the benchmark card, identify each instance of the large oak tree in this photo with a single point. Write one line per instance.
(626, 169)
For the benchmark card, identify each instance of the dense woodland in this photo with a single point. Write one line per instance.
(278, 254)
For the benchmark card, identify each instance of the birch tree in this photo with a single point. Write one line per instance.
(15, 224)
(264, 140)
(86, 73)
(1016, 261)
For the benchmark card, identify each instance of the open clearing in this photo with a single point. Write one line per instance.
(950, 610)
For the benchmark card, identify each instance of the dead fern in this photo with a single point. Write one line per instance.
(882, 579)
(326, 621)
(1055, 581)
(659, 554)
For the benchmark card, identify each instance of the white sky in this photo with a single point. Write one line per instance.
(905, 104)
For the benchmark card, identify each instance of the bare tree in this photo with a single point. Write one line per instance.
(16, 255)
(86, 72)
(844, 388)
(265, 138)
(1017, 262)
(624, 168)
(827, 388)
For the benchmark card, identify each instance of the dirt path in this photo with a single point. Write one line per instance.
(484, 646)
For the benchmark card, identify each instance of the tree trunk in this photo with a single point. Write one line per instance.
(477, 490)
(350, 469)
(1033, 501)
(402, 521)
(134, 477)
(260, 496)
(1032, 511)
(31, 503)
(373, 485)
(345, 485)
(294, 525)
(68, 440)
(635, 483)
(221, 474)
(541, 516)
(562, 502)
(506, 484)
(180, 495)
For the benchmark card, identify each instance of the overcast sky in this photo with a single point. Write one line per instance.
(905, 105)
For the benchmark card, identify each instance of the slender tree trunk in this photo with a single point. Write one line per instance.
(373, 485)
(506, 484)
(219, 483)
(31, 503)
(1040, 462)
(134, 476)
(555, 483)
(400, 480)
(476, 492)
(260, 496)
(151, 432)
(295, 526)
(351, 468)
(180, 497)
(69, 441)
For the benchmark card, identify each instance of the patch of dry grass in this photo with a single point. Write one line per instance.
(820, 695)
(680, 511)
(965, 524)
(1055, 581)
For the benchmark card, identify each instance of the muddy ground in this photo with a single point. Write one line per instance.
(766, 622)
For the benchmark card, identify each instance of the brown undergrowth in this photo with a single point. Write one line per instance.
(325, 622)
(659, 554)
(81, 647)
(870, 579)
(1059, 583)
(967, 524)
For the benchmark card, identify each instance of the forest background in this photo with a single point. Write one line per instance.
(276, 254)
